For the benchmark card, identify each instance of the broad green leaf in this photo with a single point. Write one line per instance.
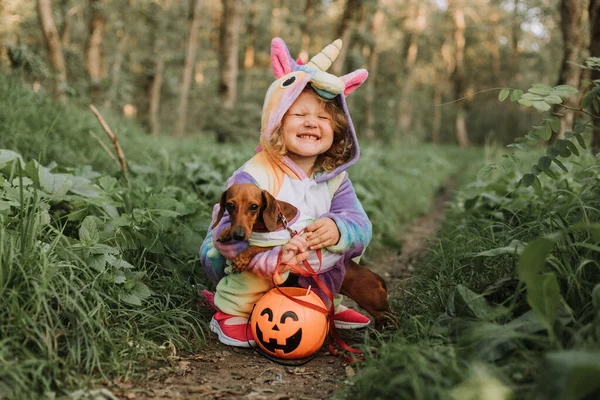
(88, 231)
(589, 97)
(544, 163)
(546, 133)
(551, 174)
(481, 384)
(553, 99)
(596, 297)
(120, 277)
(552, 152)
(560, 164)
(569, 134)
(565, 152)
(97, 262)
(535, 170)
(570, 375)
(107, 183)
(566, 89)
(572, 147)
(485, 171)
(531, 97)
(503, 94)
(541, 106)
(525, 102)
(8, 156)
(516, 95)
(555, 124)
(515, 247)
(142, 291)
(580, 140)
(131, 299)
(537, 185)
(527, 180)
(543, 293)
(473, 305)
(542, 91)
(542, 86)
(578, 128)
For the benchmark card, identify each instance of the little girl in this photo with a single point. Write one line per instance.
(307, 142)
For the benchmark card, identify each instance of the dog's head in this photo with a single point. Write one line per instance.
(251, 209)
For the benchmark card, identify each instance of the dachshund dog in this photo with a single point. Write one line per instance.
(252, 209)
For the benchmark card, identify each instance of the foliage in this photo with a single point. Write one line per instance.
(542, 97)
(101, 273)
(511, 287)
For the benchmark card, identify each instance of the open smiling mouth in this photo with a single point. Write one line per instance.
(290, 345)
(309, 137)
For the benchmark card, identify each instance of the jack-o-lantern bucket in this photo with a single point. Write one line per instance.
(284, 328)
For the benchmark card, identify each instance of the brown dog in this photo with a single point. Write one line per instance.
(252, 209)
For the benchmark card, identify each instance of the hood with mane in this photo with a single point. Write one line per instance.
(291, 79)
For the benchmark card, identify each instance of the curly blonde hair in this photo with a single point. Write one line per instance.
(340, 151)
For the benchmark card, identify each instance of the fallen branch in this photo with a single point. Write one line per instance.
(105, 147)
(114, 139)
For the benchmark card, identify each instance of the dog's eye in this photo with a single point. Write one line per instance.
(253, 207)
(230, 207)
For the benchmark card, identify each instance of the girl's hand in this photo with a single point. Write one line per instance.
(324, 233)
(295, 251)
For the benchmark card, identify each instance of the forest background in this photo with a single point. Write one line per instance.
(203, 66)
(99, 263)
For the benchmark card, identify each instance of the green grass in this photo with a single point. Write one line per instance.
(100, 274)
(469, 303)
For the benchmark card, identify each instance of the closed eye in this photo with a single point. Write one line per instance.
(289, 314)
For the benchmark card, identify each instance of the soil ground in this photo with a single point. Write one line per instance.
(223, 372)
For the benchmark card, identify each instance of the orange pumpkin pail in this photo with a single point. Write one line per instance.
(285, 328)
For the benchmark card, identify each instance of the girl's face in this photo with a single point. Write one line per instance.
(307, 129)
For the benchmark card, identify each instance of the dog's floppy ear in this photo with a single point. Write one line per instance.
(270, 211)
(222, 204)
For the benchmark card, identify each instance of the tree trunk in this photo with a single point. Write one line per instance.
(437, 114)
(594, 16)
(65, 35)
(344, 32)
(251, 35)
(376, 23)
(443, 69)
(309, 8)
(190, 60)
(415, 25)
(275, 18)
(55, 53)
(456, 7)
(228, 57)
(515, 34)
(94, 59)
(249, 54)
(158, 72)
(115, 71)
(571, 12)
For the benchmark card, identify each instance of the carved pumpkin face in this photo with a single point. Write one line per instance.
(286, 329)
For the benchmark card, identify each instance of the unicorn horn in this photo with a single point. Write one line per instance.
(326, 57)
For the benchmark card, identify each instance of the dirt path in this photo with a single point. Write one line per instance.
(225, 372)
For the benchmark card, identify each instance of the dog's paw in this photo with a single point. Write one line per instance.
(240, 263)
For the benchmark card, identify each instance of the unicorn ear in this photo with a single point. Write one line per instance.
(353, 80)
(281, 61)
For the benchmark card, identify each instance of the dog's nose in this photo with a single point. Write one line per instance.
(239, 234)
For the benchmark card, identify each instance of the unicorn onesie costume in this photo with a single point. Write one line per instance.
(322, 195)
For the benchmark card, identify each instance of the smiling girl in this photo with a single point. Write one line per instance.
(307, 142)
